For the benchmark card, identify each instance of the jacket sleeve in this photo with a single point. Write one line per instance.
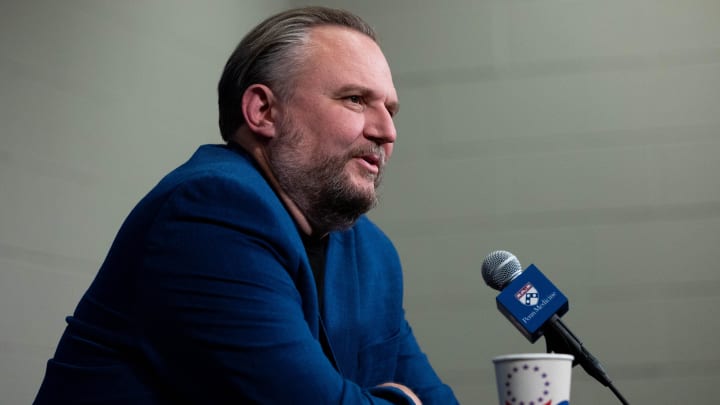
(415, 371)
(221, 317)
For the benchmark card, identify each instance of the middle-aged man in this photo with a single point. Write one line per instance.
(250, 274)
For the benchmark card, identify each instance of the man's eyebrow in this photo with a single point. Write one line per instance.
(349, 88)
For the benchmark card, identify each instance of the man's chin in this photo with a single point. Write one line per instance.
(365, 187)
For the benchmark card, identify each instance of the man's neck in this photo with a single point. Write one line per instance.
(258, 152)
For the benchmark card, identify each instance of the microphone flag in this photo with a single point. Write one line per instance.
(530, 300)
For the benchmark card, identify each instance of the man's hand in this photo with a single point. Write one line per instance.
(407, 391)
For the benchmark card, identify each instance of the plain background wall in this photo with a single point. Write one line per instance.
(581, 135)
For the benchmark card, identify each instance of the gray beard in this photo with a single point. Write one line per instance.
(322, 190)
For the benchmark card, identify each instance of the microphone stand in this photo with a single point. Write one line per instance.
(559, 339)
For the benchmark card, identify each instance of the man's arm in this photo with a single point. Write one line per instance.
(415, 371)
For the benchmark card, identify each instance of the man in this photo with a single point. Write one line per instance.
(249, 274)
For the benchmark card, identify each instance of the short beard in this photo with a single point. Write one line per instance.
(322, 190)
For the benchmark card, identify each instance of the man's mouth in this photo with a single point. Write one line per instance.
(372, 161)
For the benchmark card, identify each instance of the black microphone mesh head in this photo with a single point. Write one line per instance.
(500, 268)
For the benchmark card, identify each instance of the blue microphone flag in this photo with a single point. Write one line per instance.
(530, 300)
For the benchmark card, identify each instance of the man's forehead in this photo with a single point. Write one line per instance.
(336, 42)
(351, 56)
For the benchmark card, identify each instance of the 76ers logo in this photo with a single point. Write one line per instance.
(528, 295)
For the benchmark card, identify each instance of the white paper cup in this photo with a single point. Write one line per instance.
(533, 378)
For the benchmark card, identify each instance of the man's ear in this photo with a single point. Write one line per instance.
(259, 109)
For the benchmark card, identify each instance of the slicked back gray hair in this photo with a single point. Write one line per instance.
(271, 54)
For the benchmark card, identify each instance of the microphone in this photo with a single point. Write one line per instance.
(527, 298)
(532, 303)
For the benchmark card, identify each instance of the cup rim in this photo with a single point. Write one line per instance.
(532, 356)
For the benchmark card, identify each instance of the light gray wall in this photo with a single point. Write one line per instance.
(581, 135)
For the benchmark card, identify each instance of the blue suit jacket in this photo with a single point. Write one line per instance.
(207, 296)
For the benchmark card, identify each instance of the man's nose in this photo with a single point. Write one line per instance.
(380, 126)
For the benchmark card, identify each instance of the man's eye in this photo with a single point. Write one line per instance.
(355, 99)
